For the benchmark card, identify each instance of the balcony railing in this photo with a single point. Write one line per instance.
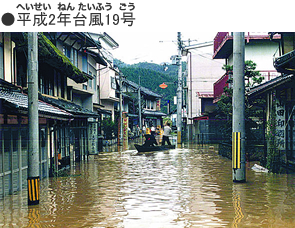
(219, 87)
(219, 38)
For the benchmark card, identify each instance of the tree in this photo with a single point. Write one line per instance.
(224, 105)
(152, 75)
(109, 128)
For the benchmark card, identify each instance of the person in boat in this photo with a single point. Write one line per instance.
(150, 140)
(166, 134)
(153, 130)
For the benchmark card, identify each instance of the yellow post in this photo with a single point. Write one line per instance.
(236, 150)
(179, 137)
(33, 190)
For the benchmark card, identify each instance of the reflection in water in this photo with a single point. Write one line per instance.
(239, 215)
(178, 188)
(34, 216)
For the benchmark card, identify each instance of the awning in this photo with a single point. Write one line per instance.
(264, 87)
(68, 106)
(96, 56)
(285, 63)
(103, 111)
(201, 118)
(132, 115)
(19, 101)
(153, 113)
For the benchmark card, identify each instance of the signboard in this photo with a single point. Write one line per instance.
(280, 124)
(163, 85)
(158, 108)
(92, 139)
(125, 129)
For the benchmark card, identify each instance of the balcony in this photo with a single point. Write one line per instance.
(223, 42)
(219, 87)
(223, 45)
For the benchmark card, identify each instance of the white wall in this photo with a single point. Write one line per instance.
(202, 73)
(261, 52)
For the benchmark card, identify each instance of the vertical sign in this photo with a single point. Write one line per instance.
(92, 139)
(158, 108)
(280, 124)
(125, 129)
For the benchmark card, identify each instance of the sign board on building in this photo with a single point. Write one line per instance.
(125, 129)
(280, 124)
(93, 140)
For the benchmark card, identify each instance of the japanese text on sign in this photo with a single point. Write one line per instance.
(70, 14)
(280, 124)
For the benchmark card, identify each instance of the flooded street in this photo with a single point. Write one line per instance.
(184, 187)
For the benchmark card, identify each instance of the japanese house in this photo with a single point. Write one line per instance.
(280, 102)
(68, 125)
(150, 105)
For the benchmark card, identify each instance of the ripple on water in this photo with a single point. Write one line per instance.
(178, 188)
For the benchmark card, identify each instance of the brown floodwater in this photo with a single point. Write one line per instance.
(184, 187)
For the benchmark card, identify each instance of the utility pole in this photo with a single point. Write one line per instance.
(33, 153)
(238, 139)
(121, 111)
(139, 107)
(179, 90)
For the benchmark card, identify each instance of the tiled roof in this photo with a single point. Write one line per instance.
(69, 106)
(143, 89)
(257, 90)
(153, 113)
(20, 101)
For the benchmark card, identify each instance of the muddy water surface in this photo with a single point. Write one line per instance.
(184, 187)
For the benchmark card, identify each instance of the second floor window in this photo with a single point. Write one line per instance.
(149, 104)
(113, 83)
(90, 80)
(67, 52)
(75, 57)
(46, 85)
(72, 54)
(84, 63)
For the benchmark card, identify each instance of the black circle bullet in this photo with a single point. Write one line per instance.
(7, 19)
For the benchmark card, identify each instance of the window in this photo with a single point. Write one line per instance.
(72, 54)
(75, 57)
(90, 80)
(148, 104)
(84, 63)
(46, 85)
(67, 52)
(41, 84)
(50, 86)
(113, 83)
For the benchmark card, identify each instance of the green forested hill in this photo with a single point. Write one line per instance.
(152, 75)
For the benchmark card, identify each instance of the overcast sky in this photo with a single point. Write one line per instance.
(156, 47)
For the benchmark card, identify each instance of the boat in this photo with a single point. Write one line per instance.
(144, 148)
